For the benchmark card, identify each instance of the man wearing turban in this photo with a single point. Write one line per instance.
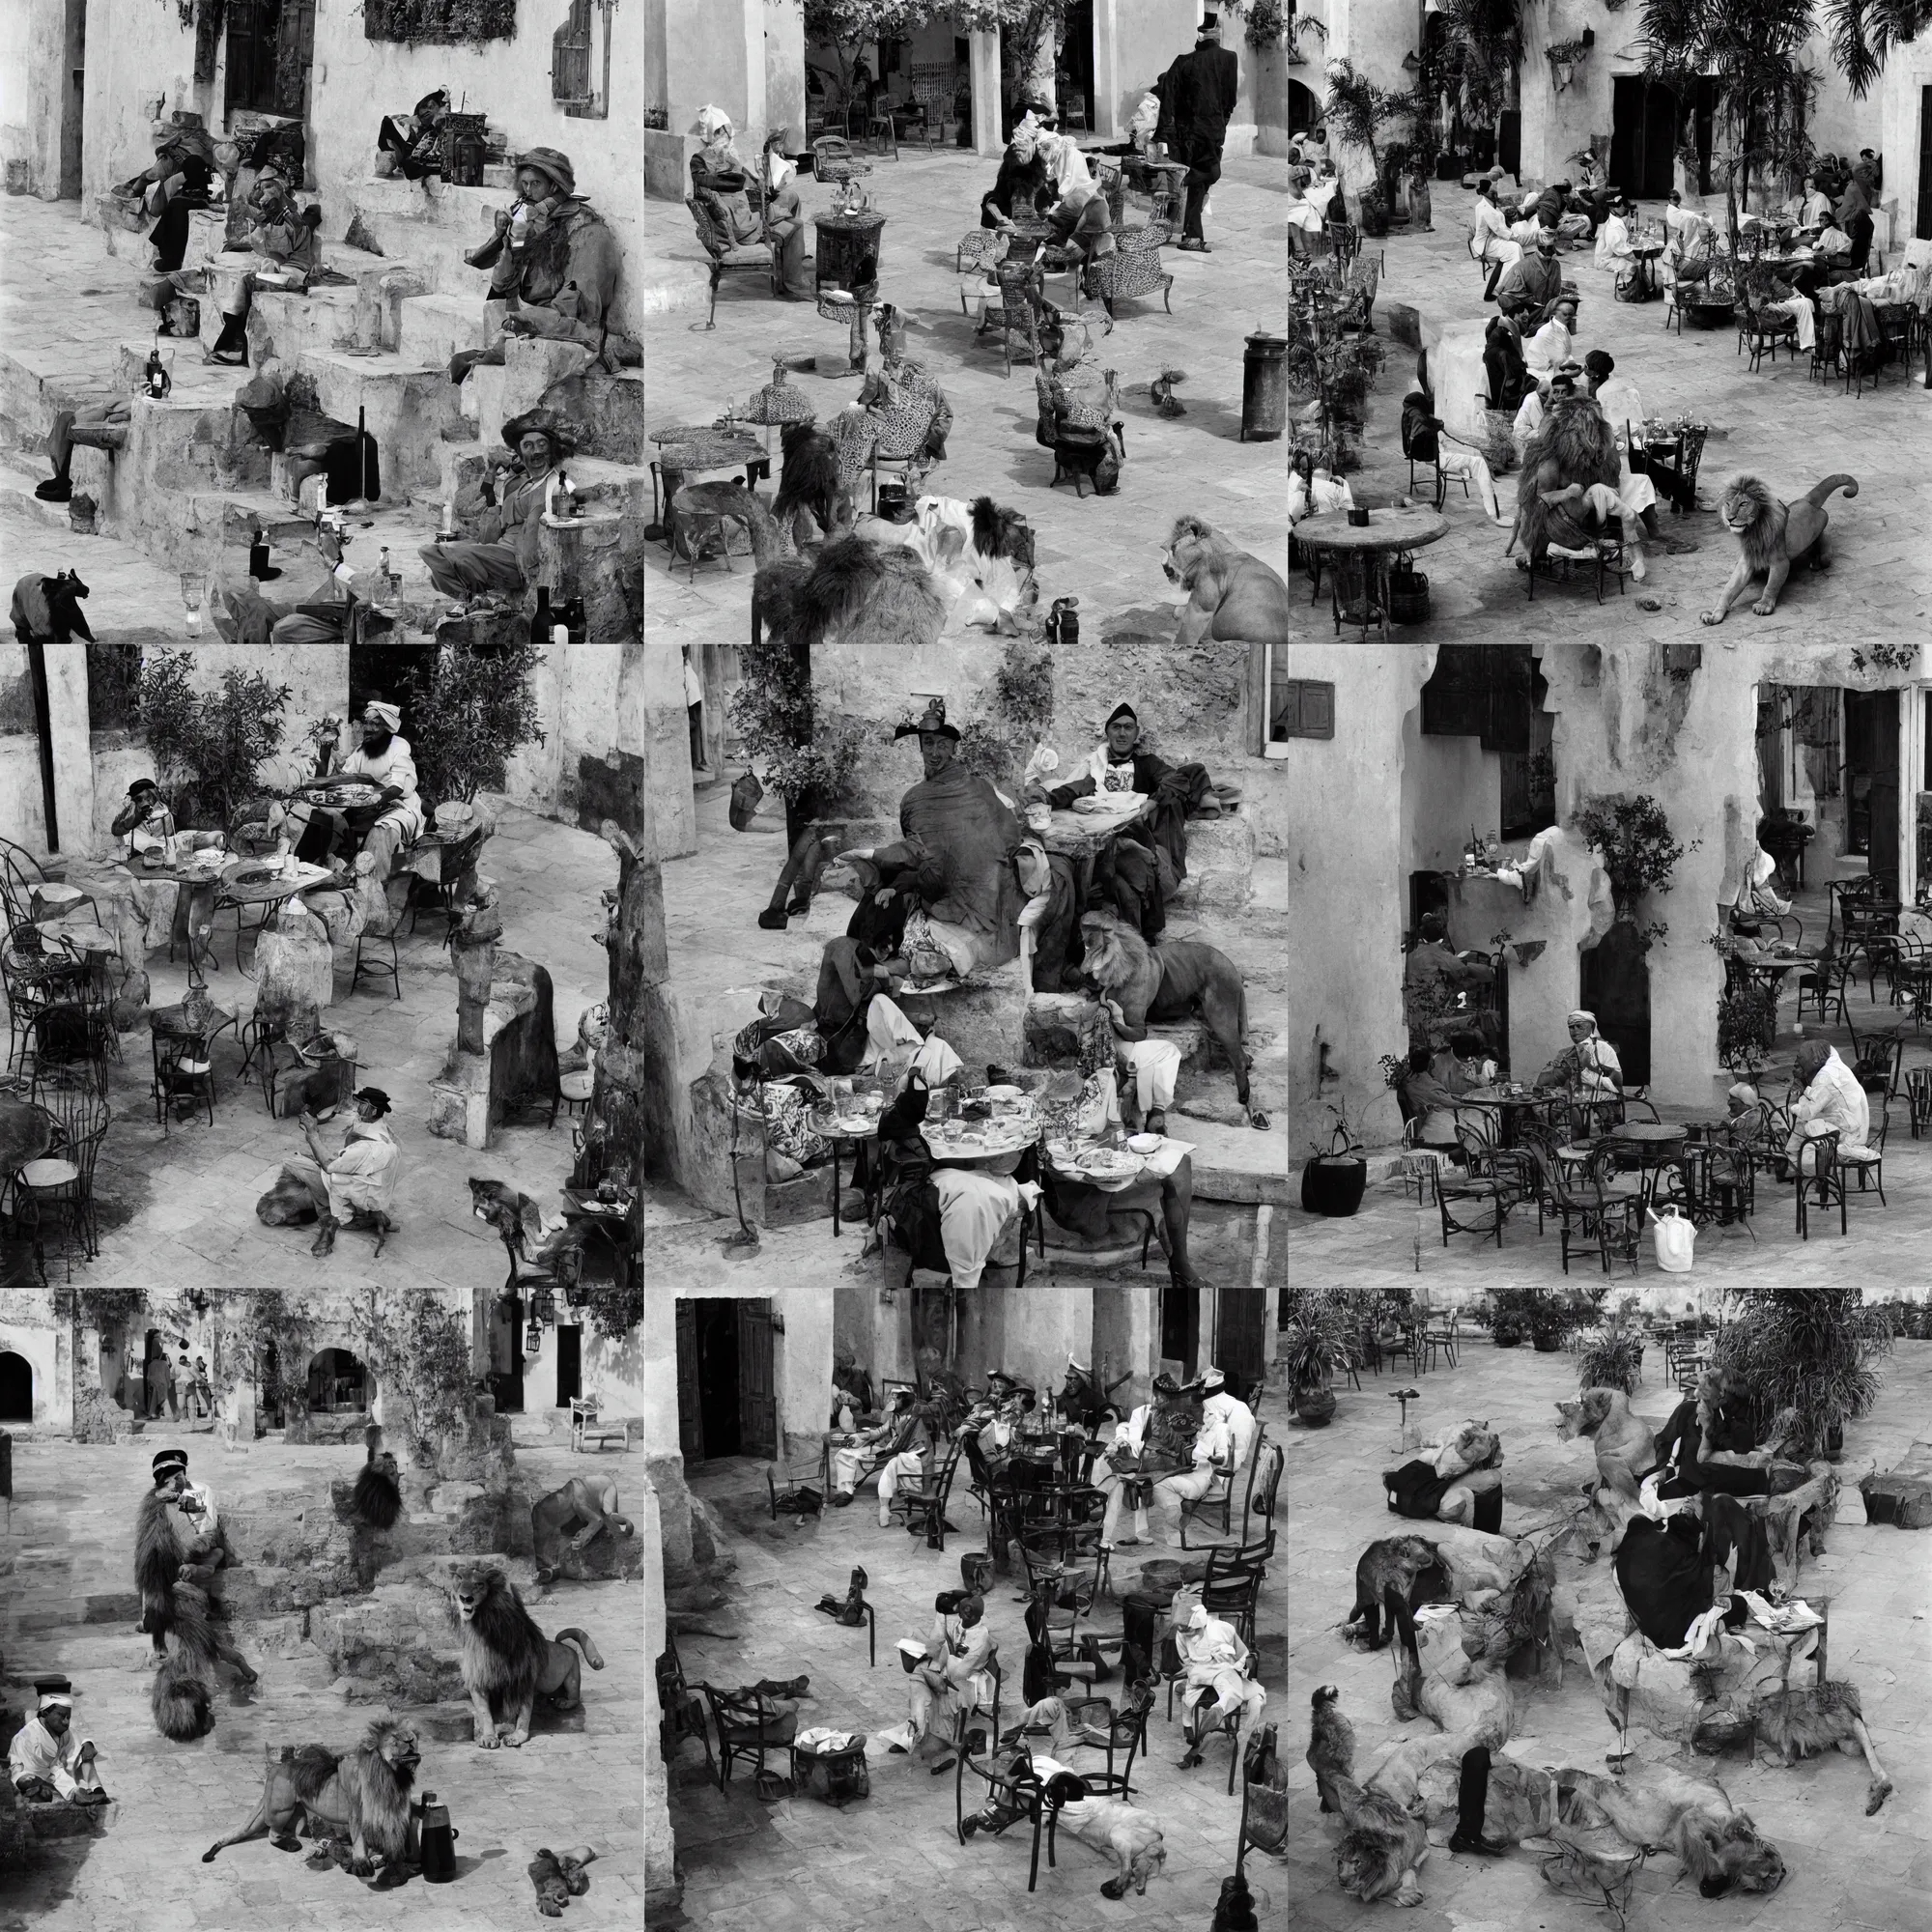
(45, 1759)
(385, 758)
(555, 265)
(1589, 1064)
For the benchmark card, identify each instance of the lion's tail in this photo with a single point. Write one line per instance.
(1818, 491)
(582, 1640)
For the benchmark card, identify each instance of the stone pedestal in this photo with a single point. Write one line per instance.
(494, 992)
(986, 1021)
(584, 556)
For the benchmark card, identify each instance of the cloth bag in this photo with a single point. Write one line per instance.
(1675, 1239)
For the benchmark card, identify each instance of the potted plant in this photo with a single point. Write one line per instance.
(208, 746)
(1551, 1319)
(1315, 1343)
(1354, 109)
(1632, 836)
(468, 715)
(1334, 1177)
(1509, 1309)
(1814, 1350)
(1614, 1357)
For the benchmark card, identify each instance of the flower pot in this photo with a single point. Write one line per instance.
(1333, 1184)
(1545, 1341)
(1375, 216)
(1506, 1335)
(1315, 1405)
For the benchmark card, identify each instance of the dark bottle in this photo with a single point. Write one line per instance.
(541, 623)
(258, 555)
(156, 374)
(571, 617)
(439, 1843)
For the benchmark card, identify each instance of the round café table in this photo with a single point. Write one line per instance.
(1643, 276)
(1511, 1109)
(1654, 1145)
(686, 450)
(1361, 555)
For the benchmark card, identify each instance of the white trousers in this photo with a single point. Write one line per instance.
(904, 1467)
(1154, 1063)
(1114, 1485)
(851, 1467)
(1457, 461)
(1170, 1492)
(1799, 311)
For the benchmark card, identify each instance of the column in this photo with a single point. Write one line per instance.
(1104, 109)
(72, 747)
(987, 93)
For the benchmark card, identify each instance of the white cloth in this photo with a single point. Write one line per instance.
(35, 1753)
(1549, 349)
(1614, 243)
(1814, 210)
(1622, 406)
(1528, 420)
(1598, 1069)
(209, 1519)
(1213, 1654)
(973, 1208)
(1237, 1419)
(964, 1659)
(1490, 236)
(1107, 775)
(1833, 1103)
(887, 1030)
(1698, 1636)
(1316, 496)
(1154, 1065)
(1303, 214)
(1799, 311)
(1457, 460)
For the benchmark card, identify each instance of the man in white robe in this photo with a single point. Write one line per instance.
(45, 1760)
(1218, 1685)
(385, 758)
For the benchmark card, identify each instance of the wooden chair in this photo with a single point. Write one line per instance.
(1764, 332)
(585, 1431)
(749, 1729)
(682, 1706)
(1825, 1180)
(1229, 1728)
(921, 1505)
(729, 257)
(1868, 1161)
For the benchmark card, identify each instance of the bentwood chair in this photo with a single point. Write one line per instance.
(748, 1727)
(60, 1185)
(1820, 1179)
(1219, 1497)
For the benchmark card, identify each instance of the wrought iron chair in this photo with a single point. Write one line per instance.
(748, 1727)
(61, 1181)
(921, 1505)
(728, 256)
(1868, 1161)
(1819, 1173)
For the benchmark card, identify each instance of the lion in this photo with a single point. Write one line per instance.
(1383, 1842)
(363, 1794)
(581, 1511)
(1177, 980)
(378, 1495)
(1626, 1444)
(1773, 538)
(1692, 1816)
(508, 1664)
(1234, 597)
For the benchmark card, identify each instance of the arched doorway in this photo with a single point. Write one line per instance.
(17, 1388)
(339, 1383)
(1304, 111)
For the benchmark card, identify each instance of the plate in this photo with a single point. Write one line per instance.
(1107, 1164)
(1144, 1143)
(1003, 1092)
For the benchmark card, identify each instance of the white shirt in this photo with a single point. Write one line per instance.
(205, 1522)
(1212, 1443)
(393, 765)
(1236, 1419)
(1107, 775)
(1834, 1100)
(1621, 404)
(694, 685)
(364, 1173)
(1490, 225)
(1528, 419)
(1613, 241)
(35, 1753)
(1326, 494)
(1549, 349)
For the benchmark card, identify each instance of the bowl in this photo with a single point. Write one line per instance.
(1003, 1093)
(1143, 1143)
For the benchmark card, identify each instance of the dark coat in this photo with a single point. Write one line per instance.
(1197, 98)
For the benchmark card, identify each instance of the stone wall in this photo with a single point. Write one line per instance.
(663, 1887)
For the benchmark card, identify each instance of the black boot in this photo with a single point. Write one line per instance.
(230, 346)
(55, 489)
(1473, 1795)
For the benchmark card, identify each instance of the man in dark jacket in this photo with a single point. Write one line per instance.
(1197, 99)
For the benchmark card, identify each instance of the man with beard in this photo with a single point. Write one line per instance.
(1197, 101)
(385, 759)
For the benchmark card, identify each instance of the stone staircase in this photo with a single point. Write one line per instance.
(192, 484)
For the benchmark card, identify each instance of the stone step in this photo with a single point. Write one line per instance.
(430, 329)
(433, 231)
(1220, 864)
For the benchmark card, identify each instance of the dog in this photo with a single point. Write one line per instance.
(1412, 1567)
(46, 609)
(1178, 979)
(1626, 1444)
(1129, 1836)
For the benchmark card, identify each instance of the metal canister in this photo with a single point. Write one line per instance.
(1063, 621)
(439, 1843)
(1264, 388)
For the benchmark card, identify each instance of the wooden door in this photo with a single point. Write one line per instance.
(1615, 977)
(1871, 779)
(1643, 137)
(1244, 1307)
(569, 1365)
(690, 1405)
(757, 1384)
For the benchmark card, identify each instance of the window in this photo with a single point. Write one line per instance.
(573, 73)
(1299, 708)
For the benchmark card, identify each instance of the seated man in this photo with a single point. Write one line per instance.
(498, 559)
(1433, 974)
(178, 180)
(1490, 237)
(1528, 290)
(556, 265)
(1126, 1472)
(1548, 350)
(954, 1675)
(411, 145)
(961, 836)
(384, 757)
(1313, 491)
(1081, 226)
(361, 1179)
(1538, 399)
(785, 221)
(280, 236)
(1636, 493)
(145, 822)
(1566, 493)
(1220, 1688)
(1213, 1456)
(1432, 1104)
(1144, 862)
(92, 426)
(1832, 1102)
(864, 1450)
(1589, 1065)
(46, 1761)
(1423, 432)
(1613, 237)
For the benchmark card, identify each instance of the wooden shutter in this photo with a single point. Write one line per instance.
(757, 1385)
(570, 56)
(690, 1405)
(1301, 708)
(1481, 691)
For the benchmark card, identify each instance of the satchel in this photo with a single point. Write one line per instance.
(746, 792)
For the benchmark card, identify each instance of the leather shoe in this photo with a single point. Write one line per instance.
(1479, 1848)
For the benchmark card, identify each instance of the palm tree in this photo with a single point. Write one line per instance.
(1863, 33)
(1477, 51)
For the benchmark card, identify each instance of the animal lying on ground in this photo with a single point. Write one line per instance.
(1382, 1844)
(362, 1794)
(1689, 1814)
(581, 1512)
(1773, 538)
(1803, 1721)
(508, 1664)
(1123, 1832)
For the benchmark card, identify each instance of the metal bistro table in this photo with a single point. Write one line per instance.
(1361, 555)
(1510, 1109)
(1654, 1146)
(1644, 271)
(846, 264)
(836, 1130)
(695, 449)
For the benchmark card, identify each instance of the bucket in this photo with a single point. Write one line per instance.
(1409, 597)
(1264, 388)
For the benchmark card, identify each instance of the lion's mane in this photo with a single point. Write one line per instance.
(1762, 538)
(375, 1787)
(502, 1649)
(1584, 449)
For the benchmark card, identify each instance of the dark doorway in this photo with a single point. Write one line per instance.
(1304, 111)
(388, 672)
(43, 733)
(1181, 1326)
(337, 1383)
(73, 60)
(17, 1388)
(1704, 115)
(1615, 980)
(1509, 144)
(506, 1354)
(1076, 67)
(717, 1339)
(569, 1365)
(1922, 227)
(271, 44)
(1871, 780)
(1643, 137)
